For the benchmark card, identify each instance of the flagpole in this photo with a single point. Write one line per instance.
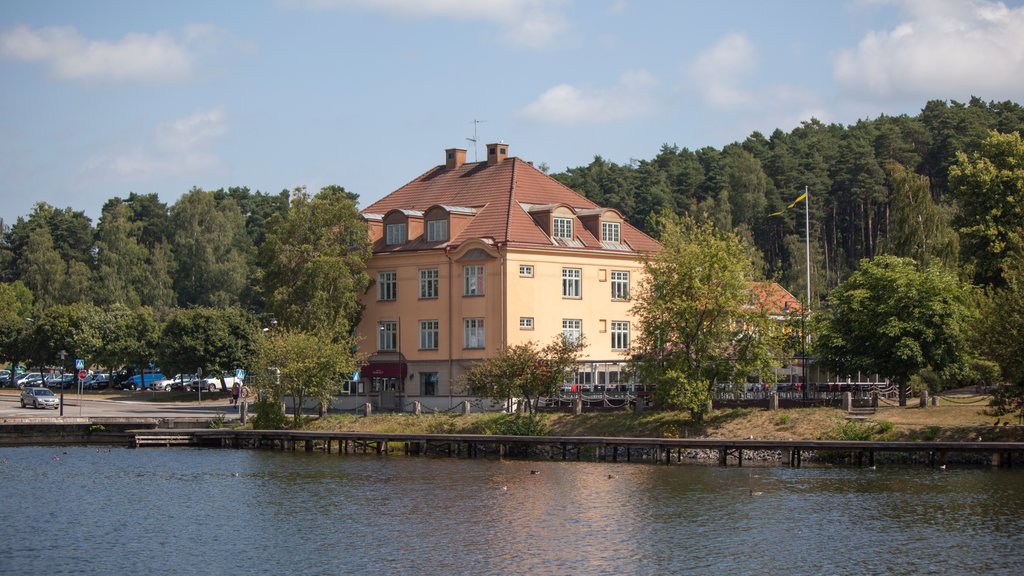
(807, 243)
(807, 306)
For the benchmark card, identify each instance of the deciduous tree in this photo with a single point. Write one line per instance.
(699, 323)
(893, 318)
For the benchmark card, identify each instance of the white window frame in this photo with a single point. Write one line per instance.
(620, 335)
(387, 286)
(561, 227)
(572, 282)
(437, 230)
(473, 335)
(473, 280)
(526, 270)
(429, 334)
(429, 278)
(526, 322)
(572, 329)
(396, 234)
(611, 232)
(387, 335)
(620, 285)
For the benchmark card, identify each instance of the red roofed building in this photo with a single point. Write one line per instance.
(473, 256)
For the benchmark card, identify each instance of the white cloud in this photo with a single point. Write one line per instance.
(947, 49)
(719, 72)
(567, 104)
(527, 23)
(179, 148)
(150, 57)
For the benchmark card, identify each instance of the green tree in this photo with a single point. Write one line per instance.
(15, 307)
(989, 186)
(1001, 337)
(895, 319)
(919, 228)
(213, 340)
(314, 263)
(305, 366)
(211, 247)
(72, 328)
(127, 271)
(698, 322)
(41, 267)
(128, 337)
(526, 371)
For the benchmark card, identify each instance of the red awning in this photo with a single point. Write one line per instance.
(385, 370)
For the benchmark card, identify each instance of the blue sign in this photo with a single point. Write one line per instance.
(79, 364)
(355, 376)
(240, 374)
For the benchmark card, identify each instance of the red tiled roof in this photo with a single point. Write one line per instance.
(775, 299)
(497, 192)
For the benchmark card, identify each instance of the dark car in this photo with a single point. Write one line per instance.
(97, 382)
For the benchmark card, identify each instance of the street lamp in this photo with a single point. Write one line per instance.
(62, 354)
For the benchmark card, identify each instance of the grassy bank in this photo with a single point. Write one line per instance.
(966, 420)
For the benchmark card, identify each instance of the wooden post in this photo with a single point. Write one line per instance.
(924, 398)
(367, 409)
(773, 401)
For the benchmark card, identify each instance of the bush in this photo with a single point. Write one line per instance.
(852, 430)
(518, 425)
(268, 414)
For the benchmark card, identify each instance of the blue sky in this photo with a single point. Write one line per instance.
(104, 98)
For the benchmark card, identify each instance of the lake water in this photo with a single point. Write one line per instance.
(83, 510)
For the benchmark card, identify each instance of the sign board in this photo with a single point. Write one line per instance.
(240, 374)
(355, 376)
(79, 364)
(82, 374)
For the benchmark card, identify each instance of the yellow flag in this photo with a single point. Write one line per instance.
(801, 197)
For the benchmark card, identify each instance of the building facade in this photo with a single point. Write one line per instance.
(471, 257)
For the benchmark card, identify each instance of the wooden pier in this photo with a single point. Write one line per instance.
(656, 450)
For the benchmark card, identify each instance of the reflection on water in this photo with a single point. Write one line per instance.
(84, 510)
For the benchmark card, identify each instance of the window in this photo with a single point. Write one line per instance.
(561, 228)
(428, 383)
(428, 283)
(387, 286)
(437, 230)
(473, 333)
(428, 334)
(474, 280)
(571, 282)
(387, 338)
(526, 323)
(395, 234)
(620, 335)
(526, 270)
(611, 232)
(572, 330)
(620, 285)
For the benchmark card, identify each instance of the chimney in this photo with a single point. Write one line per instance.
(454, 157)
(496, 153)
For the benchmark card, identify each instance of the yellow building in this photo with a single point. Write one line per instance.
(473, 256)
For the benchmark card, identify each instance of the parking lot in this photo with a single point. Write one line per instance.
(136, 405)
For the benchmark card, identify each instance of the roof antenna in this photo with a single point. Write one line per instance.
(474, 138)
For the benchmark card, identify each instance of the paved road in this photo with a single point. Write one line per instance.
(133, 406)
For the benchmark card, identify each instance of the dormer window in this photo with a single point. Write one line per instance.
(611, 232)
(437, 230)
(561, 228)
(396, 234)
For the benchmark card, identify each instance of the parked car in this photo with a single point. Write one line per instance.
(97, 382)
(39, 397)
(207, 384)
(176, 382)
(29, 379)
(143, 381)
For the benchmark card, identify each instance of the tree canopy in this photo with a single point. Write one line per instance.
(894, 318)
(699, 323)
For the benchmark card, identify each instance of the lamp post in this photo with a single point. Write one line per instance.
(62, 355)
